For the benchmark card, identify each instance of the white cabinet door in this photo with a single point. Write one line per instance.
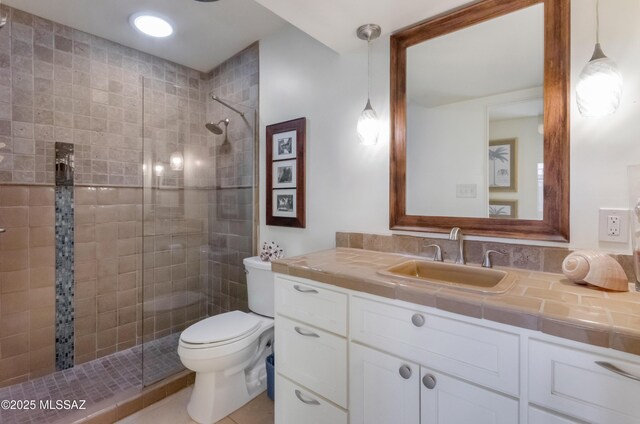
(313, 358)
(295, 405)
(383, 389)
(539, 416)
(447, 400)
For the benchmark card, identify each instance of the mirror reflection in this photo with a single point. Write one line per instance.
(474, 120)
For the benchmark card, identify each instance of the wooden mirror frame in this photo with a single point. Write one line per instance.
(555, 223)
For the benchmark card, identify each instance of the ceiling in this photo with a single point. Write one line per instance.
(206, 34)
(334, 22)
(498, 56)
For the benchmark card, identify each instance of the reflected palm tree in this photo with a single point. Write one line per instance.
(497, 154)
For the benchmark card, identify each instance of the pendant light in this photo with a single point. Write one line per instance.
(368, 124)
(599, 87)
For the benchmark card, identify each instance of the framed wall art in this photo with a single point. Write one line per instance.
(285, 203)
(503, 159)
(503, 209)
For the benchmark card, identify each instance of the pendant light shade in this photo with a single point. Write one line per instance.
(600, 85)
(368, 124)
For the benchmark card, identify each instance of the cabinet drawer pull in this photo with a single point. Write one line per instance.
(405, 372)
(306, 401)
(2, 230)
(417, 320)
(301, 290)
(429, 381)
(613, 368)
(306, 333)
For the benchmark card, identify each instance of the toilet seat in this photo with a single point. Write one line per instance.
(219, 330)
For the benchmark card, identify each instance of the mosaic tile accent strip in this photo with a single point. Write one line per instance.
(95, 381)
(65, 281)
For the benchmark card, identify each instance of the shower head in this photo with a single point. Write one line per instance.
(216, 128)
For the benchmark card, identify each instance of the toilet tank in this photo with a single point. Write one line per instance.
(259, 285)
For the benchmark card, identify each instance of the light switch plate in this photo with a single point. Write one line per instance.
(613, 225)
(466, 190)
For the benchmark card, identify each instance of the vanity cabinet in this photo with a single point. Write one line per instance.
(346, 356)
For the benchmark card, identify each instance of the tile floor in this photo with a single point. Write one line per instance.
(173, 410)
(95, 381)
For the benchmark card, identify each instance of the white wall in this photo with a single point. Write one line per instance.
(347, 184)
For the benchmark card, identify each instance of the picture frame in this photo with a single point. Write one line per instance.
(284, 174)
(503, 209)
(502, 165)
(284, 203)
(284, 145)
(285, 167)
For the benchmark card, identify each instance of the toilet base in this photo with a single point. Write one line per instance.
(229, 394)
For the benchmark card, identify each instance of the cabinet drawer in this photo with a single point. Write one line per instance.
(568, 380)
(313, 358)
(295, 405)
(475, 353)
(322, 308)
(539, 416)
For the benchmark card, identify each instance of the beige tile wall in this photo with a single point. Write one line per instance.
(111, 253)
(27, 276)
(174, 260)
(61, 84)
(231, 211)
(108, 226)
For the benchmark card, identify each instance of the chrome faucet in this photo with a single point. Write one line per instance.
(486, 262)
(456, 235)
(437, 255)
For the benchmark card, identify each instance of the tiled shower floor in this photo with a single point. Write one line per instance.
(95, 381)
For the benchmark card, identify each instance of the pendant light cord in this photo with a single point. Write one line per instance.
(369, 69)
(598, 21)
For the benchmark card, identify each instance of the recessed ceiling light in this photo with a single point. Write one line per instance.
(151, 25)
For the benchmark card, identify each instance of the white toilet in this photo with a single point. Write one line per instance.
(228, 351)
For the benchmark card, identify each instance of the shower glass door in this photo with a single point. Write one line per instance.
(175, 220)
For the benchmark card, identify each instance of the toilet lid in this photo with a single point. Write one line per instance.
(220, 328)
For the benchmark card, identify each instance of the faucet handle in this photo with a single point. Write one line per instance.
(486, 262)
(437, 256)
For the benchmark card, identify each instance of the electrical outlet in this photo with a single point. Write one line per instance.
(614, 225)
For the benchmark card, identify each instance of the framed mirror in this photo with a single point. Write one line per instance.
(480, 121)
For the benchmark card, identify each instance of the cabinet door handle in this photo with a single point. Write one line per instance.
(429, 381)
(301, 290)
(405, 372)
(306, 333)
(613, 368)
(417, 320)
(306, 401)
(2, 230)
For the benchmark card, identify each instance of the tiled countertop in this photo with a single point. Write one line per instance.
(538, 301)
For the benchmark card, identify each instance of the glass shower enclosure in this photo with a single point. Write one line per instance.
(198, 216)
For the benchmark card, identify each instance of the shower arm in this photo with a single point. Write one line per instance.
(213, 97)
